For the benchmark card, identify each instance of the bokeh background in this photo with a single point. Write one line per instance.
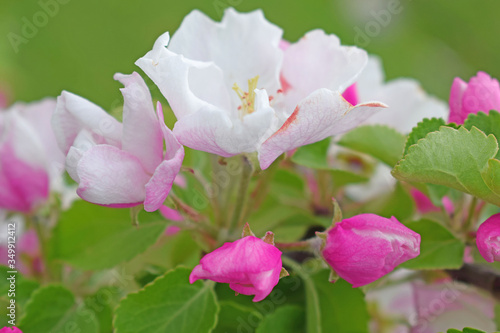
(79, 44)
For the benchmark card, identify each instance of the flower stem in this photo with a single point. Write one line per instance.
(242, 195)
(470, 221)
(295, 246)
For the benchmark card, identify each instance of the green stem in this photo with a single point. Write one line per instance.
(295, 246)
(51, 268)
(242, 195)
(470, 221)
(313, 315)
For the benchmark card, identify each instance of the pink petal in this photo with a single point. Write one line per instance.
(456, 94)
(142, 136)
(159, 185)
(322, 114)
(351, 94)
(170, 214)
(488, 239)
(365, 247)
(22, 186)
(110, 176)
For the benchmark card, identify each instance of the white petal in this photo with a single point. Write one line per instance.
(408, 105)
(110, 176)
(74, 113)
(142, 135)
(243, 45)
(212, 131)
(319, 61)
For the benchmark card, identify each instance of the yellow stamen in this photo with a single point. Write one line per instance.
(247, 98)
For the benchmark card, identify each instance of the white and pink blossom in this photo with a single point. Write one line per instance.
(235, 90)
(118, 165)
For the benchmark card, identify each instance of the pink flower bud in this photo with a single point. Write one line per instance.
(7, 329)
(250, 266)
(488, 239)
(365, 247)
(482, 93)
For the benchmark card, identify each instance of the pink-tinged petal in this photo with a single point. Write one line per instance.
(488, 239)
(172, 230)
(171, 214)
(322, 114)
(457, 91)
(443, 305)
(180, 181)
(242, 45)
(22, 186)
(448, 205)
(365, 247)
(38, 115)
(351, 94)
(423, 203)
(319, 61)
(142, 135)
(110, 176)
(160, 184)
(284, 44)
(74, 113)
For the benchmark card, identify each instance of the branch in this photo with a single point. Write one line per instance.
(480, 276)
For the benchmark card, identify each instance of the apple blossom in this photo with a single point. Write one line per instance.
(118, 165)
(365, 247)
(448, 304)
(482, 93)
(488, 239)
(408, 104)
(12, 329)
(293, 96)
(250, 266)
(31, 164)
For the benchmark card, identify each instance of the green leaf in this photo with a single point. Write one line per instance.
(53, 309)
(92, 237)
(169, 304)
(422, 129)
(382, 142)
(101, 304)
(23, 292)
(439, 249)
(454, 158)
(488, 123)
(234, 317)
(286, 319)
(314, 156)
(338, 304)
(398, 203)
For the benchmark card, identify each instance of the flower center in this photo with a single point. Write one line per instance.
(247, 98)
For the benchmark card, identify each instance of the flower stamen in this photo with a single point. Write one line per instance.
(247, 98)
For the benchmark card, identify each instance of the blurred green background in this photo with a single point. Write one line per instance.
(84, 42)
